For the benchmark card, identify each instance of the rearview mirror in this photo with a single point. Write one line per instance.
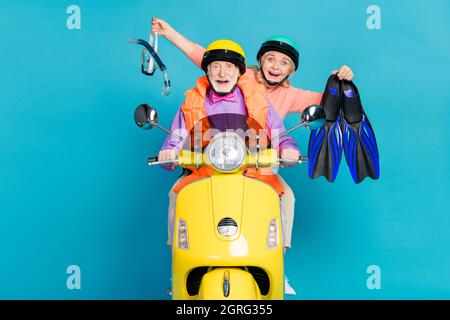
(313, 117)
(146, 116)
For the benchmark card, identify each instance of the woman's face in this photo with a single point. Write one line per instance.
(276, 66)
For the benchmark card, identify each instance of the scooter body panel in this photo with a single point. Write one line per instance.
(202, 205)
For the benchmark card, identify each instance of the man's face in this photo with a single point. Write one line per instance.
(223, 75)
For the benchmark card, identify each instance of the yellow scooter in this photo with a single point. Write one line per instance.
(227, 236)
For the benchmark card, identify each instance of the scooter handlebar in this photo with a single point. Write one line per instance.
(153, 161)
(300, 160)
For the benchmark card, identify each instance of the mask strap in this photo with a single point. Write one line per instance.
(153, 41)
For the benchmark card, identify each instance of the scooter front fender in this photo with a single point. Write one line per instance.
(228, 283)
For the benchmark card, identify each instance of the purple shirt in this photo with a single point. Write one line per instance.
(231, 103)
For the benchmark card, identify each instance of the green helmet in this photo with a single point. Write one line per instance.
(281, 44)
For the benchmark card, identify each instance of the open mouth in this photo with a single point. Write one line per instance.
(222, 82)
(273, 74)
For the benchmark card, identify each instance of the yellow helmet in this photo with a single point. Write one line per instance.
(224, 50)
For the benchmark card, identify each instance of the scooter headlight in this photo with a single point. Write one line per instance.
(227, 227)
(226, 152)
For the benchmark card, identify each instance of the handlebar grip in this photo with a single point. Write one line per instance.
(303, 159)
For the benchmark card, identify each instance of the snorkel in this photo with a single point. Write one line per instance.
(150, 70)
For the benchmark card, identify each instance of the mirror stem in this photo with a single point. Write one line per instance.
(167, 131)
(289, 130)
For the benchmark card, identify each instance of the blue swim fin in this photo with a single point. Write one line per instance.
(360, 145)
(325, 144)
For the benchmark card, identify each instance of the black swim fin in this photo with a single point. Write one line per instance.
(325, 144)
(360, 145)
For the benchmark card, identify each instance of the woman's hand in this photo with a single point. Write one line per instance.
(163, 28)
(344, 73)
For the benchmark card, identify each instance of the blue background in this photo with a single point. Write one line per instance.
(75, 188)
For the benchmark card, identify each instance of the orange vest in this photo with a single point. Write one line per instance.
(194, 110)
